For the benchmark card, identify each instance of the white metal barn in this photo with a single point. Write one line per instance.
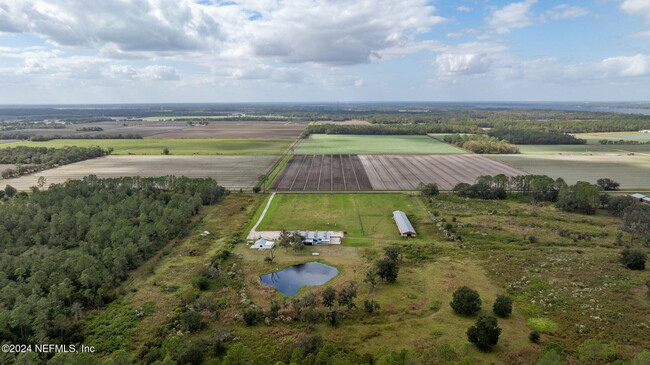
(403, 224)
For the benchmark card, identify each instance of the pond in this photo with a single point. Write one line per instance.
(290, 280)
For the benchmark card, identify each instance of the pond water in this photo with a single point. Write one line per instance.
(290, 280)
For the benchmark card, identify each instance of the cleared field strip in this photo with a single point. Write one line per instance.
(374, 144)
(632, 172)
(323, 172)
(238, 130)
(405, 172)
(178, 146)
(233, 172)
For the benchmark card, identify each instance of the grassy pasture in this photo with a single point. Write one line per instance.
(373, 145)
(360, 215)
(632, 172)
(569, 149)
(568, 284)
(195, 146)
(593, 138)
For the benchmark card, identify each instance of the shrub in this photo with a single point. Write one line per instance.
(428, 190)
(608, 184)
(371, 306)
(190, 321)
(466, 301)
(502, 306)
(331, 316)
(534, 337)
(532, 239)
(251, 316)
(633, 259)
(484, 333)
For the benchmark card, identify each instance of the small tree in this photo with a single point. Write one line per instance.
(41, 182)
(608, 184)
(10, 191)
(271, 257)
(256, 189)
(502, 306)
(329, 297)
(633, 259)
(387, 270)
(371, 278)
(534, 337)
(331, 316)
(251, 316)
(297, 241)
(428, 190)
(466, 301)
(347, 295)
(165, 151)
(371, 305)
(484, 333)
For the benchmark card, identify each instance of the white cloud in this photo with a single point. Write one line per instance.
(462, 64)
(638, 8)
(510, 17)
(464, 8)
(566, 11)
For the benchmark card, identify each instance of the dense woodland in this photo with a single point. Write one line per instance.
(535, 136)
(67, 248)
(33, 159)
(398, 129)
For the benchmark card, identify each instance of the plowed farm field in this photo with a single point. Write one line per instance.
(385, 172)
(232, 172)
(405, 172)
(323, 172)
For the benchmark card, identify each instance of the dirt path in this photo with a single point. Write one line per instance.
(251, 235)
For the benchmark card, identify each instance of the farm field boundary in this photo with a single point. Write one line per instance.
(232, 172)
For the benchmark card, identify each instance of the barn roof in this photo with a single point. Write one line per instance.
(638, 196)
(403, 222)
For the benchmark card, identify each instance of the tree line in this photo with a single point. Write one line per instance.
(481, 144)
(45, 137)
(33, 159)
(67, 248)
(535, 136)
(398, 129)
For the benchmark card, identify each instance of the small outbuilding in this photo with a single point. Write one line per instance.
(403, 224)
(638, 196)
(646, 200)
(263, 244)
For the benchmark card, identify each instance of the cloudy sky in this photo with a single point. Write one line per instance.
(118, 51)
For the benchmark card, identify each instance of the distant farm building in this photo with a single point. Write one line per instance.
(638, 196)
(403, 224)
(316, 237)
(646, 200)
(263, 244)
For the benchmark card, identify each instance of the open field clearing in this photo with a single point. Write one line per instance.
(239, 130)
(344, 122)
(323, 172)
(3, 141)
(616, 136)
(110, 128)
(233, 172)
(359, 215)
(371, 145)
(405, 172)
(632, 172)
(176, 146)
(6, 166)
(568, 149)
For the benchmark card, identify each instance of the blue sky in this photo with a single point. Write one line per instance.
(120, 51)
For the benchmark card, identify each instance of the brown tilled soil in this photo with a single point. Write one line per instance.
(239, 130)
(405, 172)
(323, 172)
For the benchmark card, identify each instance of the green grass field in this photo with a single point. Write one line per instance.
(374, 145)
(360, 215)
(632, 172)
(593, 138)
(566, 149)
(149, 146)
